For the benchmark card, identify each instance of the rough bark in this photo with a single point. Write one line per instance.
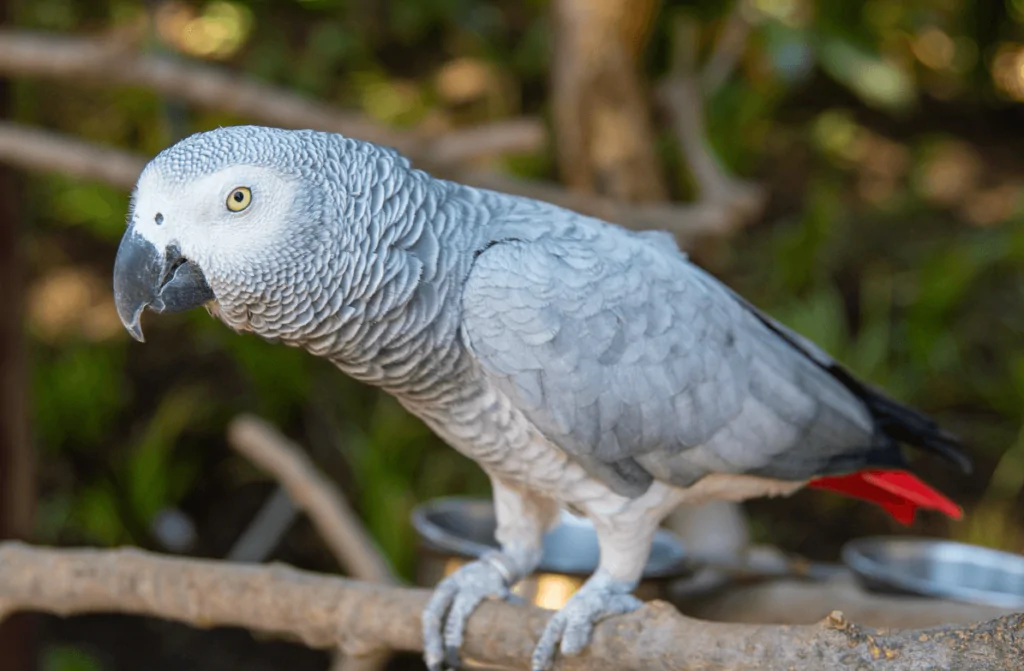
(360, 618)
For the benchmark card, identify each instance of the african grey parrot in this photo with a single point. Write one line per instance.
(582, 365)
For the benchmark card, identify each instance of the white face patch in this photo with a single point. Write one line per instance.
(194, 215)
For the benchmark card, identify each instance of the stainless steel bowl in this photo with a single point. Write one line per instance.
(456, 530)
(937, 568)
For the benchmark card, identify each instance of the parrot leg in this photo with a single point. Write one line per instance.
(600, 597)
(454, 600)
(522, 519)
(625, 544)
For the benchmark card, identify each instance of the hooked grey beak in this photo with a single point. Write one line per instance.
(162, 280)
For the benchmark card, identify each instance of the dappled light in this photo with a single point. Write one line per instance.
(216, 31)
(852, 168)
(934, 48)
(72, 302)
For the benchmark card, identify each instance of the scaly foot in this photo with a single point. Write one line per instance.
(454, 600)
(570, 628)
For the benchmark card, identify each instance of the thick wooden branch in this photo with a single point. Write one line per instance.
(361, 618)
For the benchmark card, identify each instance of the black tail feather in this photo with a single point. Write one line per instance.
(905, 424)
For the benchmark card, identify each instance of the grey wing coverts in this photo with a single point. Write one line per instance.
(641, 366)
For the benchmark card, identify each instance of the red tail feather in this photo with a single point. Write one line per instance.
(899, 492)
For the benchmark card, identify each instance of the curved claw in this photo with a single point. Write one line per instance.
(454, 600)
(569, 629)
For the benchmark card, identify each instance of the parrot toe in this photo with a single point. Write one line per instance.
(569, 629)
(454, 600)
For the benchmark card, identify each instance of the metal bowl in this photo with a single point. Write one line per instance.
(937, 568)
(456, 530)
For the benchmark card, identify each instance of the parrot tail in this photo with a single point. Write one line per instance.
(900, 493)
(907, 425)
(903, 424)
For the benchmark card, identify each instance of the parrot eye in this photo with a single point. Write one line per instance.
(239, 198)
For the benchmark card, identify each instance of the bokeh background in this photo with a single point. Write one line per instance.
(879, 141)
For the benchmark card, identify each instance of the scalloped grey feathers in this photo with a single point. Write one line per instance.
(641, 366)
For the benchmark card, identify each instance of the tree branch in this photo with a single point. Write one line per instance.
(266, 529)
(116, 61)
(42, 150)
(682, 94)
(113, 61)
(336, 522)
(48, 151)
(727, 50)
(461, 146)
(333, 518)
(361, 618)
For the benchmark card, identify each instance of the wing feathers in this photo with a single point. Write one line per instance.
(636, 363)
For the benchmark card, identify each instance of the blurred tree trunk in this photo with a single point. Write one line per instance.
(603, 131)
(17, 478)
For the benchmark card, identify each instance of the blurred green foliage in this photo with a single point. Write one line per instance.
(885, 131)
(68, 658)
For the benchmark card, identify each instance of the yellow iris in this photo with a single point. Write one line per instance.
(239, 198)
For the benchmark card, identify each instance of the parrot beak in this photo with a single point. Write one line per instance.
(162, 280)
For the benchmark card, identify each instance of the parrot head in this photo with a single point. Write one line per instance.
(254, 223)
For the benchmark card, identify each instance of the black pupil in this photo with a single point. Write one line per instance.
(239, 196)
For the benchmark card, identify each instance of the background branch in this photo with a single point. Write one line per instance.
(360, 618)
(334, 519)
(42, 150)
(728, 49)
(107, 61)
(116, 60)
(266, 529)
(682, 94)
(336, 522)
(48, 151)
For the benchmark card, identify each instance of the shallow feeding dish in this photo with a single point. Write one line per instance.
(454, 531)
(937, 568)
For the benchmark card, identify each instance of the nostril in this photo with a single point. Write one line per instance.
(159, 218)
